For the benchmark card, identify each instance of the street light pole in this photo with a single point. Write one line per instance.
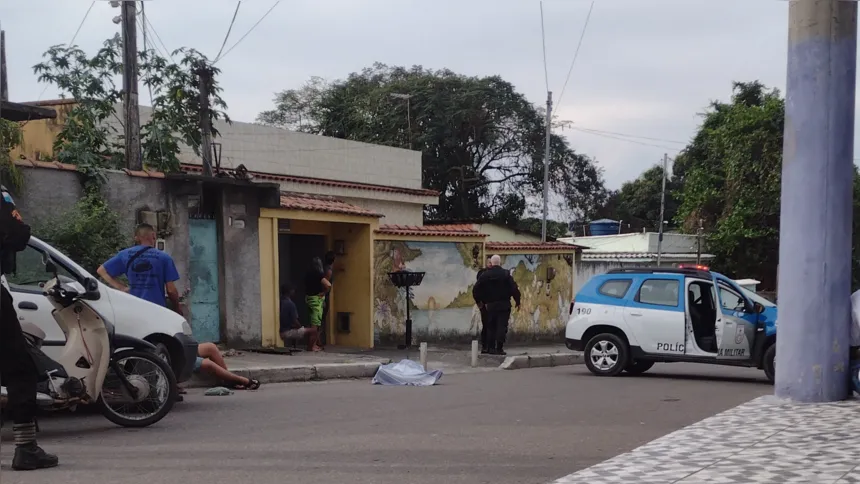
(408, 98)
(546, 155)
(814, 278)
(662, 211)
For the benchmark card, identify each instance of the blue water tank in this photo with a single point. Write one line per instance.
(604, 227)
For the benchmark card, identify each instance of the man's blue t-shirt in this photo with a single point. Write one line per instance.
(147, 273)
(289, 314)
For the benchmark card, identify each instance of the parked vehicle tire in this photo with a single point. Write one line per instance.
(606, 355)
(769, 363)
(156, 389)
(638, 367)
(164, 353)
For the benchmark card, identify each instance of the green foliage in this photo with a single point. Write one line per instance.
(10, 137)
(481, 140)
(731, 175)
(535, 225)
(90, 138)
(89, 233)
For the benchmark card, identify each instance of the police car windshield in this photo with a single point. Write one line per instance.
(756, 298)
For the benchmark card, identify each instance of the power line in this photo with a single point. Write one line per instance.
(576, 53)
(158, 37)
(229, 29)
(80, 26)
(626, 140)
(543, 41)
(599, 131)
(249, 31)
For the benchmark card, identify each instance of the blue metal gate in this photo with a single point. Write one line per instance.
(203, 277)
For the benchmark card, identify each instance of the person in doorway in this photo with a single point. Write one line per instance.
(290, 328)
(495, 289)
(151, 273)
(19, 373)
(328, 267)
(485, 346)
(210, 360)
(316, 288)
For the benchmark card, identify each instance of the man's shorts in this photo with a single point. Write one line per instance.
(294, 334)
(315, 309)
(198, 363)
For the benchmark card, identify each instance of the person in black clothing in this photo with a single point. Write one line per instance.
(494, 289)
(19, 373)
(485, 346)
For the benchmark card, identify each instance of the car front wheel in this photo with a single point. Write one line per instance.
(606, 355)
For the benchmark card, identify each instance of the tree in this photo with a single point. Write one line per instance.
(10, 137)
(637, 203)
(482, 142)
(731, 174)
(90, 141)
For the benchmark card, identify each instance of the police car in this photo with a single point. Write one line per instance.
(628, 319)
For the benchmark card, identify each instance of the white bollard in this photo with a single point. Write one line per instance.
(474, 353)
(422, 349)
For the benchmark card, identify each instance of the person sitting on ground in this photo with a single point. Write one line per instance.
(290, 328)
(316, 287)
(210, 361)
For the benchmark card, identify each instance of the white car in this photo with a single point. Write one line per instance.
(131, 316)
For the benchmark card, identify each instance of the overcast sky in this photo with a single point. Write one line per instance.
(646, 67)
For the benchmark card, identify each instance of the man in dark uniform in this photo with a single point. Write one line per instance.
(485, 346)
(494, 289)
(18, 369)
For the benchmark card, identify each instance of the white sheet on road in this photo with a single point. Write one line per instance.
(406, 373)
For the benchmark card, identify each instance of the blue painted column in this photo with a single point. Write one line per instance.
(815, 230)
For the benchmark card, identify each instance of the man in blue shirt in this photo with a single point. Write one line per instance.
(150, 274)
(290, 327)
(149, 271)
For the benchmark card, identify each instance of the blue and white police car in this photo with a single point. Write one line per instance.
(628, 319)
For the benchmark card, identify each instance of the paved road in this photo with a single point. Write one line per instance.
(526, 426)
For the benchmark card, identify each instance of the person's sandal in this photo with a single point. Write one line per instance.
(252, 385)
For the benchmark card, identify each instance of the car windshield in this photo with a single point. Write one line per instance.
(756, 298)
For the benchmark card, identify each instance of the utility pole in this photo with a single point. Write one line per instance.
(699, 232)
(408, 98)
(546, 155)
(662, 211)
(4, 80)
(817, 178)
(204, 75)
(129, 86)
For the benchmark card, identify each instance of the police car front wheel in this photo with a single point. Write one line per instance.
(606, 355)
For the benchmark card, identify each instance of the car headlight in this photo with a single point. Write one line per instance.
(186, 328)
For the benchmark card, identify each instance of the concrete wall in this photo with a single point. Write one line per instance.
(586, 269)
(499, 233)
(442, 307)
(642, 242)
(240, 294)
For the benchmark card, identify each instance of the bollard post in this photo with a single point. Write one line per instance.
(422, 349)
(474, 353)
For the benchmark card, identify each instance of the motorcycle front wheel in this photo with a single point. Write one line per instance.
(153, 394)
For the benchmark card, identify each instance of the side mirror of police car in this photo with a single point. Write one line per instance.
(758, 308)
(50, 267)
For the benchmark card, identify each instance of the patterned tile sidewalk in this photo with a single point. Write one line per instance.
(763, 441)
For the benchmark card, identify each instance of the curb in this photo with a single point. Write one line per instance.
(322, 371)
(541, 361)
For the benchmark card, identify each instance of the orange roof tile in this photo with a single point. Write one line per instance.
(536, 246)
(454, 230)
(189, 168)
(316, 203)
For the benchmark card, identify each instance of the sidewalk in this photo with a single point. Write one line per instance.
(763, 441)
(341, 363)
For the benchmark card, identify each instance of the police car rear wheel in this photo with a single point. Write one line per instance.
(606, 355)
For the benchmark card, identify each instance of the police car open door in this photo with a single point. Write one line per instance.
(736, 321)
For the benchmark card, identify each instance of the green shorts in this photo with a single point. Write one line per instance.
(315, 309)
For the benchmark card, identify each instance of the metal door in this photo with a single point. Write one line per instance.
(203, 277)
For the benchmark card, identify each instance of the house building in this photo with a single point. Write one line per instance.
(364, 202)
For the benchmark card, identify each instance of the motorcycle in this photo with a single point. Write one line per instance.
(123, 376)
